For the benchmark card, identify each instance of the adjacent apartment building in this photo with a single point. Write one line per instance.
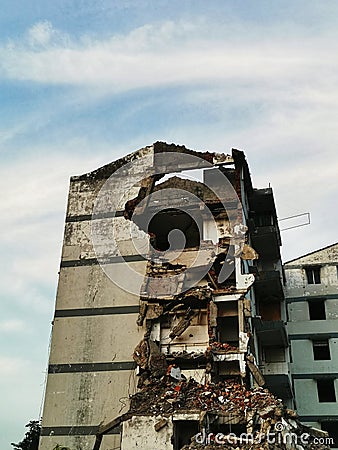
(170, 302)
(312, 298)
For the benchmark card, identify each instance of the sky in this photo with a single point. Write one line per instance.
(83, 83)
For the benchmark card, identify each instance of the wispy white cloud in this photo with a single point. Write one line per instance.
(41, 33)
(11, 366)
(288, 76)
(32, 225)
(12, 326)
(168, 53)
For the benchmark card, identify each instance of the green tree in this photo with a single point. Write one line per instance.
(31, 439)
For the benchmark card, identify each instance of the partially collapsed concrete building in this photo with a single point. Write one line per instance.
(170, 313)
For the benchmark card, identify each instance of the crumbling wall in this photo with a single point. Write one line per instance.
(139, 433)
(187, 325)
(326, 259)
(244, 418)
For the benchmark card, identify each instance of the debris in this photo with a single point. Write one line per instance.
(160, 424)
(257, 408)
(249, 253)
(226, 396)
(257, 374)
(141, 354)
(213, 312)
(142, 313)
(157, 361)
(223, 347)
(183, 324)
(175, 372)
(148, 356)
(154, 311)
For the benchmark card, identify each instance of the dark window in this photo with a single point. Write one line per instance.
(225, 428)
(184, 430)
(290, 354)
(228, 330)
(321, 350)
(175, 226)
(326, 392)
(274, 354)
(263, 220)
(313, 275)
(332, 428)
(223, 269)
(317, 310)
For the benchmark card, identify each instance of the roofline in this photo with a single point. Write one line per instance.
(104, 172)
(310, 253)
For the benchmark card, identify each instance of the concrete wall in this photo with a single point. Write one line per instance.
(297, 285)
(139, 434)
(86, 399)
(303, 360)
(109, 442)
(89, 287)
(307, 399)
(94, 331)
(94, 338)
(312, 327)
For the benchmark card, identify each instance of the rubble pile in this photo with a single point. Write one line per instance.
(268, 423)
(256, 446)
(292, 436)
(184, 355)
(223, 347)
(160, 396)
(164, 269)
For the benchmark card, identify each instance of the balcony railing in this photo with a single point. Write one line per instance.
(271, 332)
(268, 285)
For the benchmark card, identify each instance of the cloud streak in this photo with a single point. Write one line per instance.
(12, 326)
(166, 54)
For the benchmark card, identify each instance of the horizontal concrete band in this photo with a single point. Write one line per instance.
(311, 297)
(84, 217)
(305, 266)
(95, 261)
(88, 430)
(83, 312)
(120, 213)
(314, 376)
(312, 336)
(91, 367)
(318, 418)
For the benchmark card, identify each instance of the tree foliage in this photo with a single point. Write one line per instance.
(31, 439)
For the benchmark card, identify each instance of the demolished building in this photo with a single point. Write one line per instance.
(170, 312)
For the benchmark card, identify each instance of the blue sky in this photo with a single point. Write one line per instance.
(83, 83)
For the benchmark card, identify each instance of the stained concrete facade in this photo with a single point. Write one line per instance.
(107, 336)
(312, 297)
